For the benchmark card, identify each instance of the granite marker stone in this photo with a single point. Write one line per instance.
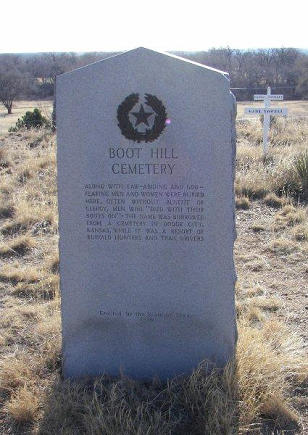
(146, 151)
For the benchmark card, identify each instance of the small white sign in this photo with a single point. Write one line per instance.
(262, 110)
(261, 97)
(267, 111)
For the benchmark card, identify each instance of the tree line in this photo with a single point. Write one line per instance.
(251, 71)
(32, 76)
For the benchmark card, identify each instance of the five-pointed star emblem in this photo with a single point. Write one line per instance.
(142, 116)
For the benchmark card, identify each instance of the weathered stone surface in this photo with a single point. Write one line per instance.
(146, 228)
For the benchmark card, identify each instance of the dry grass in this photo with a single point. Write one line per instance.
(289, 216)
(14, 274)
(257, 228)
(256, 392)
(123, 406)
(253, 304)
(30, 187)
(47, 288)
(272, 200)
(53, 263)
(278, 173)
(300, 232)
(282, 246)
(23, 405)
(242, 203)
(27, 218)
(4, 160)
(261, 303)
(19, 246)
(263, 381)
(6, 211)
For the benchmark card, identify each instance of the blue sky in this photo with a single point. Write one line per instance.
(164, 25)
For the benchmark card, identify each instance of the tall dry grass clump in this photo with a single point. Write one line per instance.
(256, 391)
(283, 171)
(253, 388)
(301, 166)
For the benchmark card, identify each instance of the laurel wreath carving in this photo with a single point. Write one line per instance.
(129, 131)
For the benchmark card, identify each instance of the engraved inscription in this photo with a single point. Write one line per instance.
(145, 212)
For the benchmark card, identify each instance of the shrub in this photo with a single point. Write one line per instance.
(31, 120)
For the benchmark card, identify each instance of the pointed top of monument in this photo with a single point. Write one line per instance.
(147, 53)
(151, 51)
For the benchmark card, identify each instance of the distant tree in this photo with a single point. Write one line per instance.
(302, 77)
(11, 85)
(46, 66)
(302, 87)
(250, 71)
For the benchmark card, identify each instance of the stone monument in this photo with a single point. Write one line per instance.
(146, 150)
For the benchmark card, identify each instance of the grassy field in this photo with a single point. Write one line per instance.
(262, 391)
(19, 109)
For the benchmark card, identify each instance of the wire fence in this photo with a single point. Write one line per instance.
(264, 88)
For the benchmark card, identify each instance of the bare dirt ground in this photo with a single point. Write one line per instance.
(283, 275)
(280, 276)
